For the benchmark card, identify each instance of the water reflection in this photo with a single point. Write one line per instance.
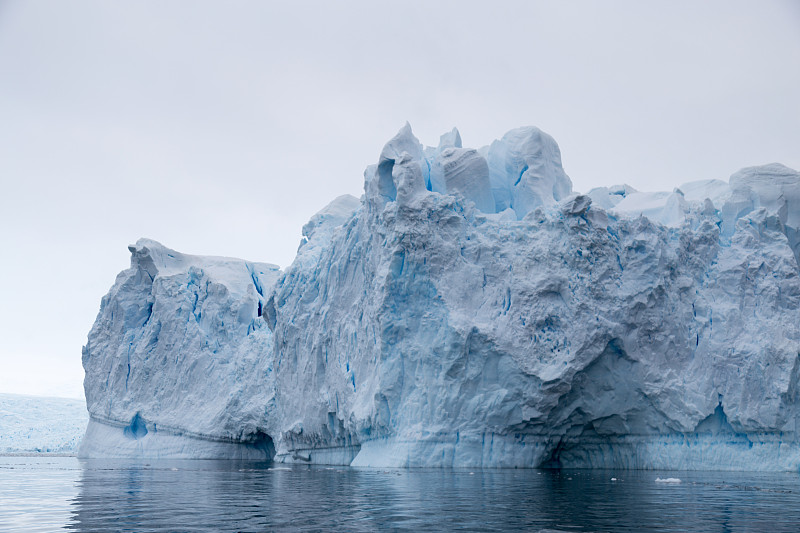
(245, 496)
(227, 496)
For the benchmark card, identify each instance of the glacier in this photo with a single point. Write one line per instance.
(472, 310)
(32, 425)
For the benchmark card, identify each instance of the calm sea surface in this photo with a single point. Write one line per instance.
(53, 493)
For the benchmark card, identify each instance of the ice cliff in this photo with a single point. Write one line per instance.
(472, 310)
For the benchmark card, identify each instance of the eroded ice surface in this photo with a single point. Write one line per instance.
(472, 310)
(179, 361)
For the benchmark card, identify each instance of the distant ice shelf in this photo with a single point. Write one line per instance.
(471, 309)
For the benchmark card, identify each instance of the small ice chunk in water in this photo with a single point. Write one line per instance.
(668, 480)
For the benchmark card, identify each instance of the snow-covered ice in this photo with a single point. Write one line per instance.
(35, 424)
(472, 310)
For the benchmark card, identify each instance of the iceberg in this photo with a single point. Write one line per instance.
(472, 310)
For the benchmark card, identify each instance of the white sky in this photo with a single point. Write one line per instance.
(220, 128)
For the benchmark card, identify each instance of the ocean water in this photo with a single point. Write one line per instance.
(64, 493)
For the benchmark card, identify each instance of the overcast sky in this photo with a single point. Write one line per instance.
(220, 128)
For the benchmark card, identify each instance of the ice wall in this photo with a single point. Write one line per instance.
(471, 310)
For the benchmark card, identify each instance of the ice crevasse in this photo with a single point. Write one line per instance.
(471, 310)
